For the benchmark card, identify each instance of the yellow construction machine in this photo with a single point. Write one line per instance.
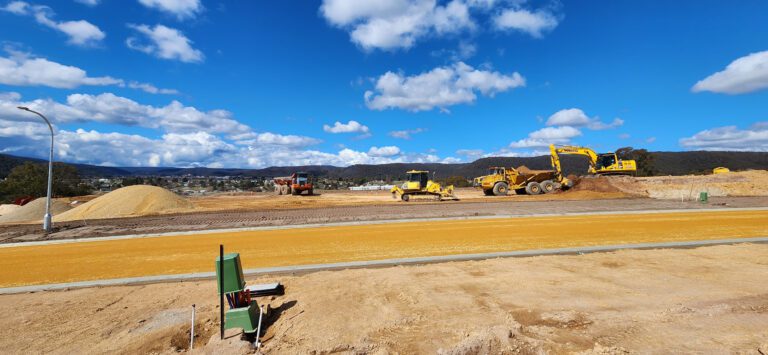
(500, 180)
(417, 182)
(600, 164)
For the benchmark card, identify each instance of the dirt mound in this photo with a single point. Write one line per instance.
(596, 183)
(6, 209)
(525, 170)
(34, 211)
(131, 201)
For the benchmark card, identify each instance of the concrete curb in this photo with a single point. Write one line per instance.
(379, 222)
(277, 270)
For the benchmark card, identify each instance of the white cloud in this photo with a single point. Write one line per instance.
(182, 9)
(349, 127)
(405, 134)
(534, 23)
(110, 108)
(754, 138)
(252, 139)
(22, 70)
(164, 42)
(441, 87)
(388, 25)
(151, 88)
(89, 2)
(546, 136)
(577, 118)
(80, 32)
(743, 75)
(470, 153)
(17, 7)
(387, 151)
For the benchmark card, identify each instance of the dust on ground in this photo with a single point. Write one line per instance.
(646, 301)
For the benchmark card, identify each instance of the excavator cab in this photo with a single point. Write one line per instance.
(606, 161)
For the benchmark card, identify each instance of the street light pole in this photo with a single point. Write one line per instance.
(47, 217)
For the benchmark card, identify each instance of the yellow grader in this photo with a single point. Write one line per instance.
(418, 183)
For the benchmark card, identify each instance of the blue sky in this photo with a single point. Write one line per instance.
(340, 82)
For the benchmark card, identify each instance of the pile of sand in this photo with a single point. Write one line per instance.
(6, 209)
(131, 201)
(34, 211)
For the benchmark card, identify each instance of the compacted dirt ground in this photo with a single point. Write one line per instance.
(512, 205)
(704, 300)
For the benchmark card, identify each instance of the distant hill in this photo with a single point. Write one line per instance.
(8, 162)
(667, 163)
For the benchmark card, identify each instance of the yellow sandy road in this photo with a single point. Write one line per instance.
(57, 263)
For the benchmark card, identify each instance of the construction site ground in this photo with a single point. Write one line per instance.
(256, 217)
(703, 300)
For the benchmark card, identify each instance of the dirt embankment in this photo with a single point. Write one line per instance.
(744, 183)
(640, 301)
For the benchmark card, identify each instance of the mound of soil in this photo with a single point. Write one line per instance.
(34, 211)
(594, 183)
(131, 201)
(6, 209)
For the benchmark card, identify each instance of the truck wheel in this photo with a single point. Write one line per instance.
(405, 197)
(533, 188)
(500, 189)
(284, 189)
(288, 190)
(278, 190)
(547, 186)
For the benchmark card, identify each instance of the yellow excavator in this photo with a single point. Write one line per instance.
(417, 182)
(600, 164)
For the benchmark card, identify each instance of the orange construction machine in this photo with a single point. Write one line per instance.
(294, 184)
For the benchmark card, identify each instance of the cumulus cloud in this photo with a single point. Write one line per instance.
(110, 108)
(80, 32)
(188, 149)
(577, 118)
(387, 151)
(164, 42)
(349, 127)
(182, 9)
(546, 136)
(534, 23)
(395, 24)
(405, 134)
(754, 138)
(743, 75)
(441, 87)
(21, 69)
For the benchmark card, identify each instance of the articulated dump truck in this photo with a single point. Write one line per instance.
(501, 180)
